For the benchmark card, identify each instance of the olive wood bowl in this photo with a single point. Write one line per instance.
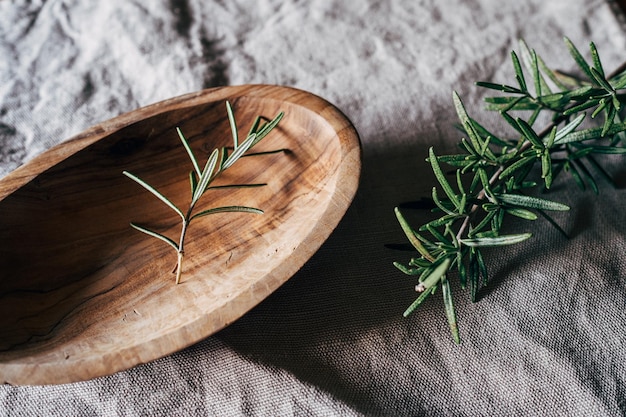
(83, 295)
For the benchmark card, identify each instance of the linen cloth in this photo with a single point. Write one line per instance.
(546, 338)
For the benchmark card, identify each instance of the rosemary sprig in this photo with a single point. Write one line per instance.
(200, 181)
(493, 178)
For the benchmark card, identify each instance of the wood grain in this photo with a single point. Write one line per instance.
(84, 295)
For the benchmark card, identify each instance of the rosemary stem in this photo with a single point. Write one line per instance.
(181, 248)
(179, 268)
(480, 197)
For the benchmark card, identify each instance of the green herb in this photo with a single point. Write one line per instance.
(200, 181)
(493, 174)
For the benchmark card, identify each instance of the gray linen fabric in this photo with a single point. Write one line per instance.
(547, 337)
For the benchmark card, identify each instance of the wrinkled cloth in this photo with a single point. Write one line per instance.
(548, 334)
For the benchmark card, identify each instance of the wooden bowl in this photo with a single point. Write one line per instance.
(82, 294)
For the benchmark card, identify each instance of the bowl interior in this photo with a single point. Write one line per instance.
(79, 285)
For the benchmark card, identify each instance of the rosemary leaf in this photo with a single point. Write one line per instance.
(521, 200)
(505, 104)
(536, 74)
(599, 79)
(267, 128)
(499, 87)
(535, 65)
(496, 241)
(156, 235)
(608, 121)
(237, 153)
(407, 271)
(412, 236)
(154, 192)
(520, 163)
(435, 275)
(521, 213)
(441, 178)
(233, 125)
(227, 209)
(615, 150)
(457, 160)
(519, 74)
(590, 134)
(597, 64)
(193, 181)
(423, 296)
(568, 128)
(255, 126)
(205, 177)
(546, 167)
(529, 133)
(578, 58)
(460, 108)
(473, 272)
(440, 204)
(450, 310)
(482, 267)
(219, 187)
(194, 161)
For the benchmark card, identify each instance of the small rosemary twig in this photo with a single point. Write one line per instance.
(200, 181)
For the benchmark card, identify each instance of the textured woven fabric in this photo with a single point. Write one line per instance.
(547, 337)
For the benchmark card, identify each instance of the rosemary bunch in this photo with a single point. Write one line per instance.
(493, 174)
(200, 181)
